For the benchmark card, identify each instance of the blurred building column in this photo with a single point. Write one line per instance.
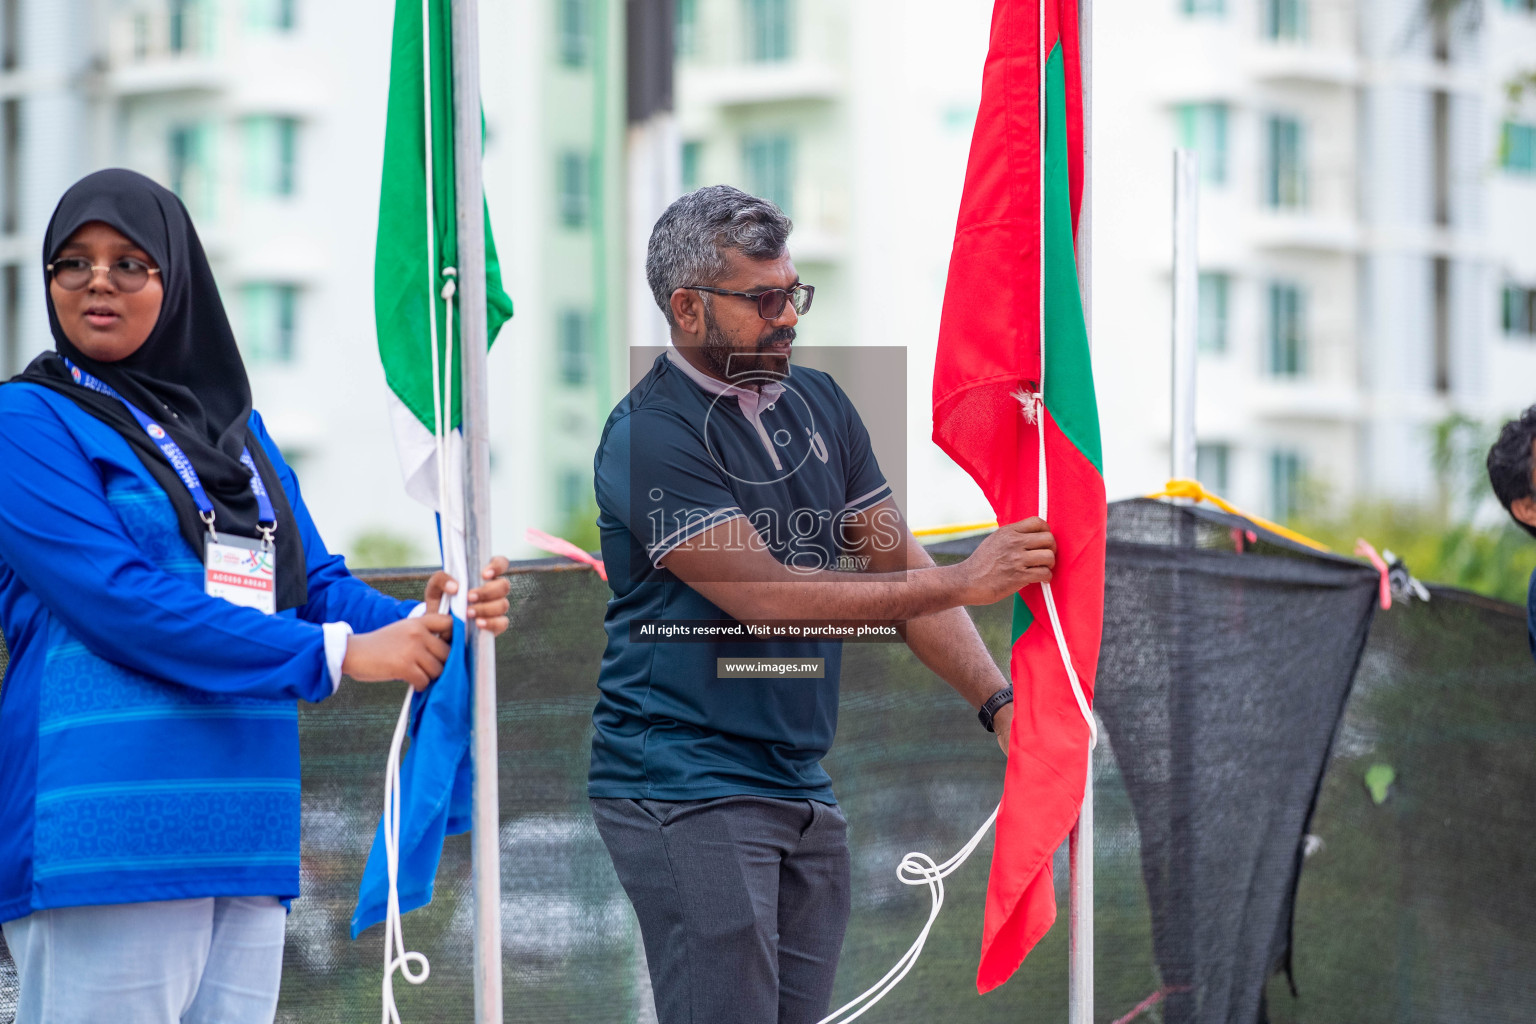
(653, 151)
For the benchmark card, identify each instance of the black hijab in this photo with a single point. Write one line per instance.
(187, 376)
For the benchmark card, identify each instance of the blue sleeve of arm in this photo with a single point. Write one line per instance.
(66, 544)
(335, 595)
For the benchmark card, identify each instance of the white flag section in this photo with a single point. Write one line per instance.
(434, 476)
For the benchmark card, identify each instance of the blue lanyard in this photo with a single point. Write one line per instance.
(266, 515)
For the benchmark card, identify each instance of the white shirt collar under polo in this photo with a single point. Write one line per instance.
(753, 403)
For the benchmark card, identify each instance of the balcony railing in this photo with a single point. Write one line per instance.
(1328, 25)
(144, 36)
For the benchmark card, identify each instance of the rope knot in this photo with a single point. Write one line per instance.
(1030, 400)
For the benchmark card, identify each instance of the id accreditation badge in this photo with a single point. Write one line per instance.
(241, 571)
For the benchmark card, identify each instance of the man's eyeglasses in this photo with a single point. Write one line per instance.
(127, 274)
(770, 304)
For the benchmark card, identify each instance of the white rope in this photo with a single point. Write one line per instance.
(450, 287)
(918, 868)
(914, 869)
(1034, 412)
(438, 433)
(1033, 403)
(393, 936)
(414, 966)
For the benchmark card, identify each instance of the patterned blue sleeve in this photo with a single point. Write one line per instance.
(64, 542)
(335, 595)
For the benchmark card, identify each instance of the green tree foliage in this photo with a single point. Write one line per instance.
(380, 549)
(1462, 538)
(580, 527)
(1492, 560)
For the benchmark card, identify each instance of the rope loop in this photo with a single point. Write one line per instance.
(916, 868)
(413, 966)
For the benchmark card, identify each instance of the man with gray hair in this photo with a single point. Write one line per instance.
(733, 491)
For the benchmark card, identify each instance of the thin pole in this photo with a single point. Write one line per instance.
(1175, 952)
(486, 866)
(1080, 911)
(1080, 842)
(1186, 312)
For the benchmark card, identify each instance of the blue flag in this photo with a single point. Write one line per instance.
(436, 782)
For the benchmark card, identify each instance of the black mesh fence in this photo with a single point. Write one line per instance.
(1222, 676)
(1419, 903)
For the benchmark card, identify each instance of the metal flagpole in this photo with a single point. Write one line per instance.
(486, 867)
(1186, 298)
(1080, 843)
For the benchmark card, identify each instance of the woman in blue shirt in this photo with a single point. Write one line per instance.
(149, 761)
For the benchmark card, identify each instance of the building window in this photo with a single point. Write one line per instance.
(572, 491)
(1212, 467)
(273, 15)
(1203, 128)
(10, 32)
(573, 21)
(692, 158)
(768, 29)
(1284, 168)
(270, 325)
(1520, 312)
(183, 26)
(1286, 473)
(574, 182)
(1287, 331)
(272, 155)
(769, 163)
(1202, 8)
(1285, 20)
(10, 165)
(190, 174)
(685, 38)
(574, 346)
(1517, 147)
(186, 155)
(10, 320)
(1212, 329)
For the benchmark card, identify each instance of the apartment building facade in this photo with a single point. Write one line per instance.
(1362, 276)
(1365, 176)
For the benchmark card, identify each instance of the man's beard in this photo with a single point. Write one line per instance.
(731, 363)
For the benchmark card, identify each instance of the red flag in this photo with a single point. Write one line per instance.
(1004, 351)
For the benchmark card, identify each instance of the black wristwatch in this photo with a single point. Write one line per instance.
(997, 700)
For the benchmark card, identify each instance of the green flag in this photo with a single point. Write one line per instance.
(417, 242)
